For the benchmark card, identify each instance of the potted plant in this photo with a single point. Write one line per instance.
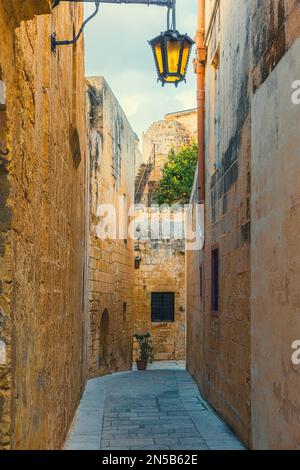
(146, 351)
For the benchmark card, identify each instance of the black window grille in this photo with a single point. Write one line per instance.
(162, 307)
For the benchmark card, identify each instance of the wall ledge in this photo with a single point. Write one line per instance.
(24, 10)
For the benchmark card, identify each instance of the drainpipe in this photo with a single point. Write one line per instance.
(200, 63)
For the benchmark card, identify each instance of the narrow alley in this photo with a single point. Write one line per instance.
(149, 226)
(160, 409)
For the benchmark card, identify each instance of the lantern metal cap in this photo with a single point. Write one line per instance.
(171, 33)
(181, 54)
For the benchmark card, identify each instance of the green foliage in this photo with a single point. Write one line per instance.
(178, 176)
(146, 348)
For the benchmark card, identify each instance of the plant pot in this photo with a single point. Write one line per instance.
(141, 365)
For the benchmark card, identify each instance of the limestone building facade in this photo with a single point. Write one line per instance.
(112, 150)
(242, 300)
(159, 289)
(42, 229)
(174, 131)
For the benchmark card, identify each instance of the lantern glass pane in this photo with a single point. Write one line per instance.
(173, 52)
(159, 57)
(185, 56)
(171, 79)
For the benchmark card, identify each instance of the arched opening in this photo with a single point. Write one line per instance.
(103, 348)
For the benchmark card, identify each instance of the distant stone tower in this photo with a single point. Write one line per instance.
(176, 130)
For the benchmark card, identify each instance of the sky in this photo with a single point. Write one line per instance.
(117, 48)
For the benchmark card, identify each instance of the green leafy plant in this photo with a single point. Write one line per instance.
(146, 348)
(178, 175)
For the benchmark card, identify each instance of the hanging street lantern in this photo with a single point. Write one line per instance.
(171, 51)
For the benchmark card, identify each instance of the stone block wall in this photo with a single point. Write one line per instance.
(275, 258)
(220, 361)
(162, 266)
(42, 236)
(112, 145)
(240, 355)
(275, 225)
(175, 130)
(194, 296)
(162, 269)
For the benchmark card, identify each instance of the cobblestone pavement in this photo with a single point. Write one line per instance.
(153, 410)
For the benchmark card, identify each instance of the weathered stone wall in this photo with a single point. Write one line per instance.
(112, 145)
(221, 362)
(245, 122)
(275, 258)
(275, 222)
(194, 295)
(187, 118)
(162, 269)
(42, 324)
(176, 130)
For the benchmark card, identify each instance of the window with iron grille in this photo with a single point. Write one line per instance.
(162, 307)
(124, 311)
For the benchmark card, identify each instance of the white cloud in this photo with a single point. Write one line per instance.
(187, 99)
(189, 24)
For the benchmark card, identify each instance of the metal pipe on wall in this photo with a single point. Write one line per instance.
(201, 53)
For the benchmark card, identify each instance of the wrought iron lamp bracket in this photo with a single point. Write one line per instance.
(55, 43)
(162, 3)
(170, 4)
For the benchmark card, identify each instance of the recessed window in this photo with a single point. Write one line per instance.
(125, 218)
(162, 307)
(215, 280)
(201, 280)
(124, 311)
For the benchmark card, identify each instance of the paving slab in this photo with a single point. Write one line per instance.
(160, 409)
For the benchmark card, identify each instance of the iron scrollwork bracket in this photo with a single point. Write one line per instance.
(55, 43)
(170, 4)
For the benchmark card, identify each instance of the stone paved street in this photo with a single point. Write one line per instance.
(160, 409)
